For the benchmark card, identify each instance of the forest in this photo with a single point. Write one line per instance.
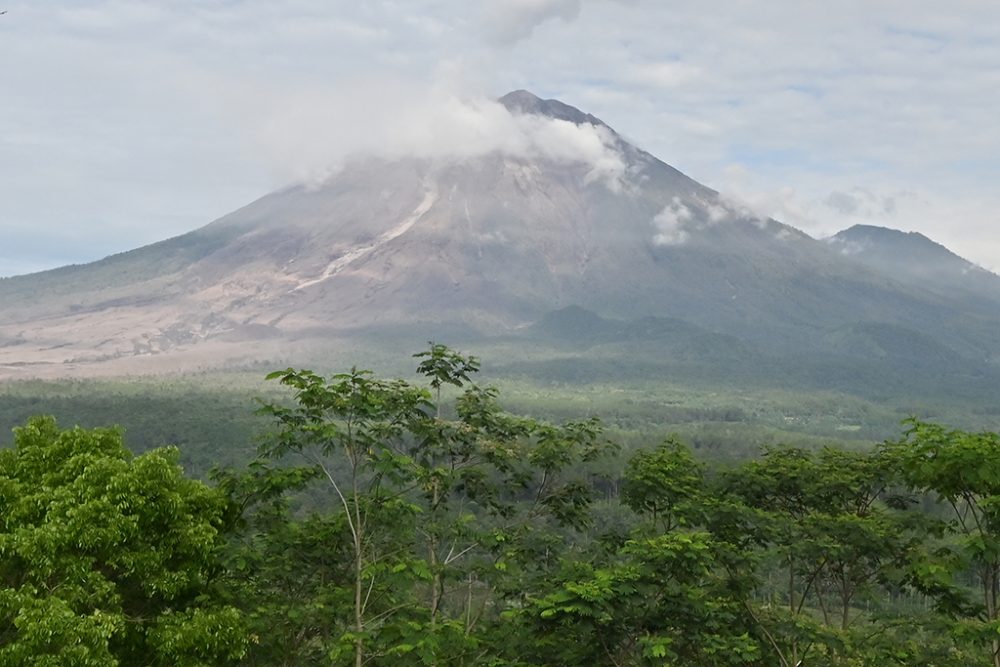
(387, 522)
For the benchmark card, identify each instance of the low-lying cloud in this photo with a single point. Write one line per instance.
(861, 201)
(672, 223)
(677, 221)
(308, 137)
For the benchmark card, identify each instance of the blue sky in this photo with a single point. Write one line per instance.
(123, 122)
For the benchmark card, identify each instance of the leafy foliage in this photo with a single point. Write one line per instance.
(437, 515)
(107, 559)
(385, 525)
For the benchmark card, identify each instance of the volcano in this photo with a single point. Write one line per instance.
(490, 244)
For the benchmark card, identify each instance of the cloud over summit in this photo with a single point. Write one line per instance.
(393, 122)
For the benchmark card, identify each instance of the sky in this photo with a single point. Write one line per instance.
(124, 122)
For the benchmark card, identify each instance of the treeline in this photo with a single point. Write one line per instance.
(210, 425)
(383, 527)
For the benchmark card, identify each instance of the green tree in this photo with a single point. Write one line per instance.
(290, 576)
(106, 558)
(351, 428)
(963, 470)
(665, 484)
(661, 600)
(443, 518)
(828, 519)
(445, 366)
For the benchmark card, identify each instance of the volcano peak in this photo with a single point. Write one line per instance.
(525, 102)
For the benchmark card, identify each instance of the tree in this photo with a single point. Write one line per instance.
(445, 366)
(963, 470)
(828, 518)
(439, 515)
(664, 484)
(287, 575)
(661, 600)
(106, 558)
(350, 429)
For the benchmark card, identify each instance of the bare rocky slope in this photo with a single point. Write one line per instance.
(492, 245)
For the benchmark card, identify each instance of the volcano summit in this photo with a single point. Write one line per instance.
(496, 239)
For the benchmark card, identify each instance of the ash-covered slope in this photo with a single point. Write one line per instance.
(488, 242)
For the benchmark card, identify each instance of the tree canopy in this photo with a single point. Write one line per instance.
(397, 523)
(108, 559)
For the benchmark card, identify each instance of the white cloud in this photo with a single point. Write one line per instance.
(672, 224)
(860, 201)
(509, 21)
(308, 134)
(677, 221)
(664, 74)
(720, 211)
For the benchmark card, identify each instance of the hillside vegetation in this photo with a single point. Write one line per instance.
(211, 417)
(387, 522)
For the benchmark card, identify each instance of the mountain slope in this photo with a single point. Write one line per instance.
(913, 258)
(487, 243)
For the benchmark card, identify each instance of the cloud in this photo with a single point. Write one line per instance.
(842, 202)
(862, 202)
(677, 221)
(720, 211)
(309, 135)
(664, 74)
(672, 224)
(963, 222)
(509, 21)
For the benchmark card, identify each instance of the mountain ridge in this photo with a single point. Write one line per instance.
(489, 244)
(918, 260)
(524, 102)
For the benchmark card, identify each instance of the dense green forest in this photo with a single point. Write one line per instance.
(211, 417)
(386, 522)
